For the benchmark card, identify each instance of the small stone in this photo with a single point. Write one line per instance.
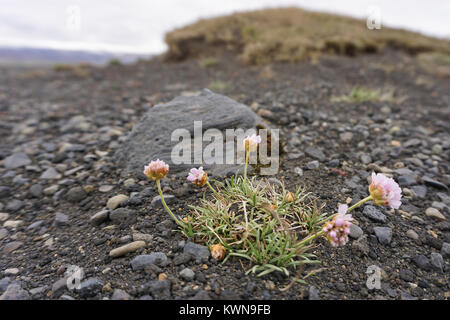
(406, 180)
(4, 191)
(198, 252)
(16, 160)
(58, 287)
(49, 191)
(4, 283)
(434, 183)
(61, 219)
(11, 271)
(406, 275)
(298, 171)
(384, 234)
(90, 287)
(130, 247)
(437, 149)
(155, 258)
(355, 231)
(115, 201)
(3, 233)
(412, 143)
(156, 201)
(13, 224)
(445, 250)
(314, 293)
(187, 274)
(36, 190)
(4, 216)
(434, 213)
(76, 194)
(15, 205)
(181, 258)
(15, 292)
(105, 188)
(120, 294)
(412, 234)
(366, 159)
(407, 296)
(100, 217)
(120, 215)
(159, 289)
(346, 136)
(420, 191)
(10, 247)
(360, 246)
(162, 276)
(50, 174)
(374, 213)
(142, 237)
(437, 261)
(315, 153)
(313, 165)
(422, 262)
(36, 292)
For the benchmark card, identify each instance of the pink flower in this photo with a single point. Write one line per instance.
(198, 177)
(385, 191)
(338, 229)
(251, 142)
(156, 170)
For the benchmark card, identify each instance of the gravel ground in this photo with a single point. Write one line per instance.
(64, 203)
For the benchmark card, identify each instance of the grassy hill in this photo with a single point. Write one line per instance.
(291, 35)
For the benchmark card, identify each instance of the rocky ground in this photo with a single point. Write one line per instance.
(64, 202)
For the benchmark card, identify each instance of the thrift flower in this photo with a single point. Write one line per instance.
(198, 177)
(217, 251)
(251, 143)
(156, 170)
(385, 191)
(338, 229)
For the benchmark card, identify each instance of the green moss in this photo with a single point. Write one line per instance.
(361, 94)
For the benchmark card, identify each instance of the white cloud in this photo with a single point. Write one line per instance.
(139, 25)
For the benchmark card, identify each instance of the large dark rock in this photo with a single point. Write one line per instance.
(150, 138)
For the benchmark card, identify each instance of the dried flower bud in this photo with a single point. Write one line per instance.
(289, 197)
(217, 251)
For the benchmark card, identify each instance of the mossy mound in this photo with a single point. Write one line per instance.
(291, 35)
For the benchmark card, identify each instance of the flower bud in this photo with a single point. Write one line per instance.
(289, 197)
(217, 251)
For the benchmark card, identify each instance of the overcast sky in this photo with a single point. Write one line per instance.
(138, 26)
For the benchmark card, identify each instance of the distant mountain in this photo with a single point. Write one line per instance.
(42, 56)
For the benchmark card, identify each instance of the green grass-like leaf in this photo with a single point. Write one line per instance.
(253, 220)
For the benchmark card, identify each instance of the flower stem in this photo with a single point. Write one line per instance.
(211, 187)
(158, 183)
(247, 155)
(360, 203)
(310, 238)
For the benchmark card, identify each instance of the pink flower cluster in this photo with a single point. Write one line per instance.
(156, 170)
(385, 191)
(338, 229)
(251, 142)
(198, 177)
